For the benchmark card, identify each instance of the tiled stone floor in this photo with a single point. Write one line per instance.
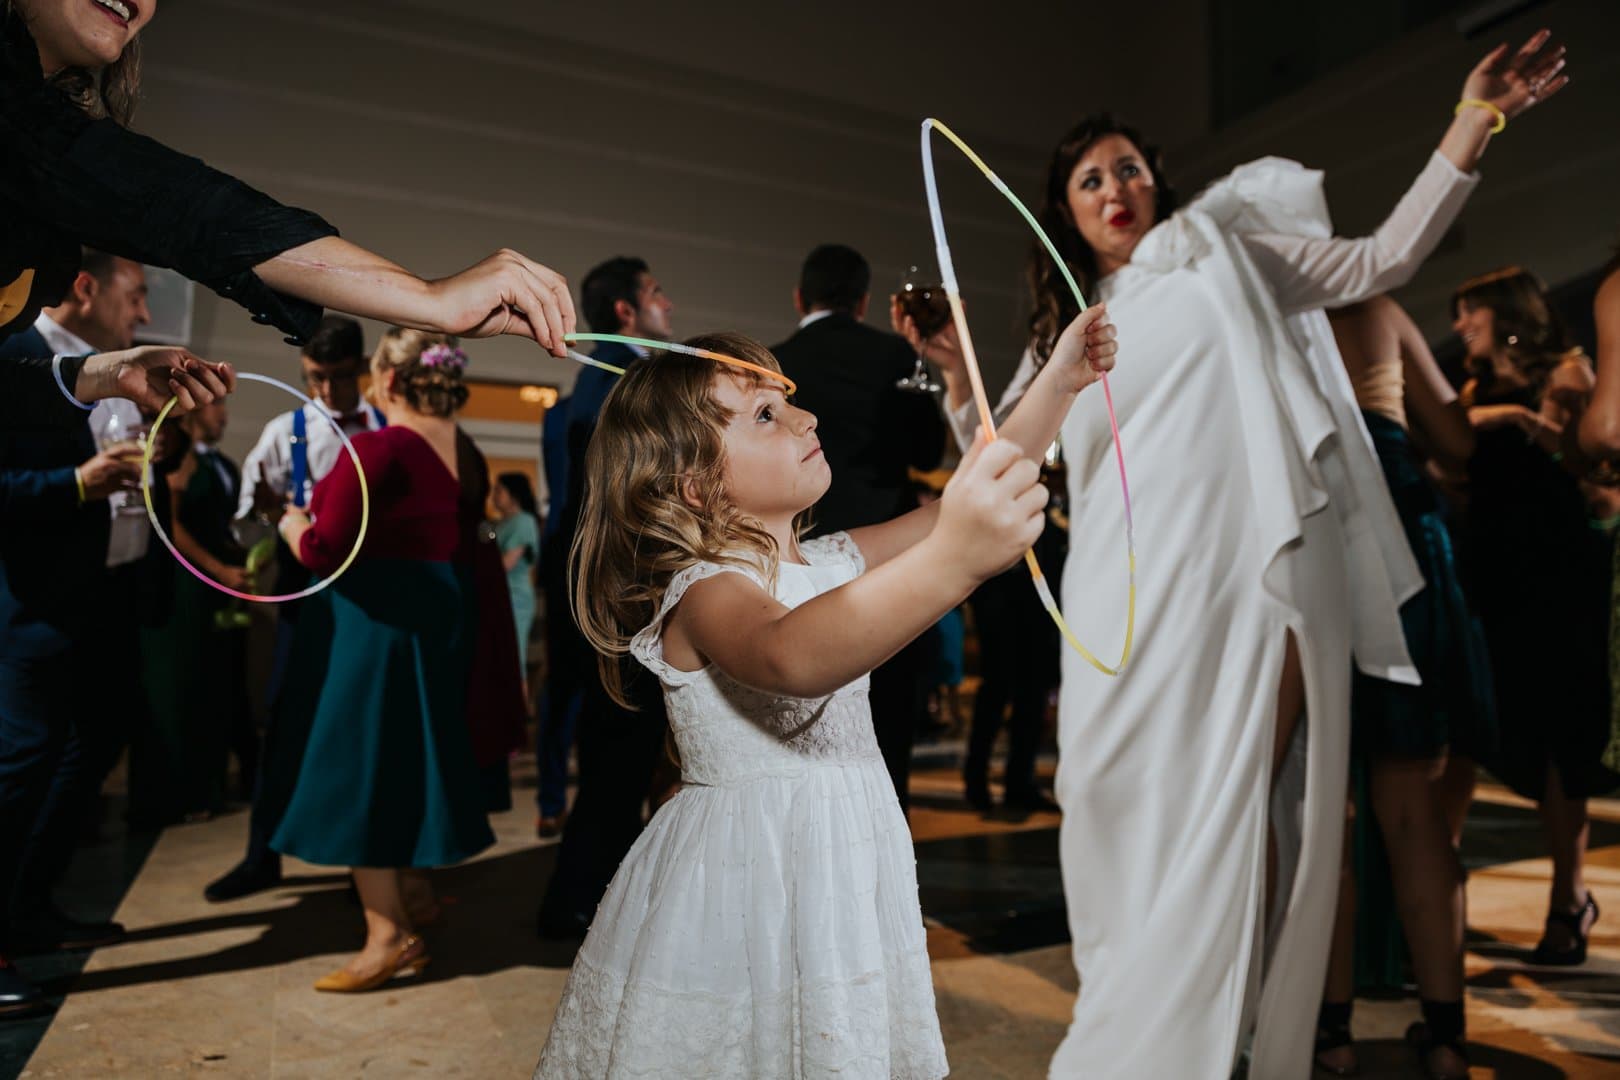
(224, 990)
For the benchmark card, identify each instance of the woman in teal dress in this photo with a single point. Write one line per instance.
(1401, 871)
(386, 778)
(517, 531)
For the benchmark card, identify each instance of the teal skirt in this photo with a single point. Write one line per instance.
(372, 764)
(1455, 707)
(1453, 710)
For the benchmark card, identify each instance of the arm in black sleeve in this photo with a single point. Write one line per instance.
(105, 186)
(37, 496)
(30, 399)
(210, 227)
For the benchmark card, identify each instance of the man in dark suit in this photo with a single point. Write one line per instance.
(59, 730)
(619, 749)
(564, 687)
(872, 433)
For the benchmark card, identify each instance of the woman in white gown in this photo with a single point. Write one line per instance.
(1268, 553)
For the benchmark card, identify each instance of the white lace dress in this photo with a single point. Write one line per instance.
(766, 923)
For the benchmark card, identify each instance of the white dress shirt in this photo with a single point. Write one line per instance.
(131, 532)
(270, 460)
(814, 316)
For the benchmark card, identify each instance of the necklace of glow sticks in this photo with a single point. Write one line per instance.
(947, 271)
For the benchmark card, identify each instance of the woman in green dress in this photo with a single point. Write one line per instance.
(1401, 871)
(383, 777)
(517, 530)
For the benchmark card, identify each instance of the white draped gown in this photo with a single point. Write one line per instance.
(1260, 509)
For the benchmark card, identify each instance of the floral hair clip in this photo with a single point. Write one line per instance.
(444, 356)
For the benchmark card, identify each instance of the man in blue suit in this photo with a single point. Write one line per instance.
(57, 735)
(619, 750)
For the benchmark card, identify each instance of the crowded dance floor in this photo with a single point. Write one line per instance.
(729, 542)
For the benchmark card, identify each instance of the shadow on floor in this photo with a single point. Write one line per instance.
(490, 927)
(101, 873)
(1392, 1059)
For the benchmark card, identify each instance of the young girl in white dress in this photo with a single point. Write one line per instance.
(766, 923)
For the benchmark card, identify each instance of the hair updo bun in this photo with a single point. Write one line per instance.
(428, 369)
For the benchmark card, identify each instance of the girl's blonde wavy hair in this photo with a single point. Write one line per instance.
(660, 431)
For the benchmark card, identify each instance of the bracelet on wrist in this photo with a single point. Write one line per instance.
(78, 482)
(61, 384)
(1480, 103)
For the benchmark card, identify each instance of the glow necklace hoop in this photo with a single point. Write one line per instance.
(673, 346)
(151, 511)
(947, 271)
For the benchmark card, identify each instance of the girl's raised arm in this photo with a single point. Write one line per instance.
(1084, 351)
(992, 511)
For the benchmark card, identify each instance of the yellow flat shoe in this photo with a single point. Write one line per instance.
(410, 960)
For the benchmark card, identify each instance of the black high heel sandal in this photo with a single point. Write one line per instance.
(1547, 956)
(1333, 1033)
(1418, 1037)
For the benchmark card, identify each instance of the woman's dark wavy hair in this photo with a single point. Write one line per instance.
(1054, 304)
(1523, 323)
(517, 485)
(111, 91)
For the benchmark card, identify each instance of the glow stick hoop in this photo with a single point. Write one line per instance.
(672, 346)
(151, 511)
(591, 361)
(947, 271)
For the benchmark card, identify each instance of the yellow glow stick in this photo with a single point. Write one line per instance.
(674, 346)
(953, 294)
(157, 527)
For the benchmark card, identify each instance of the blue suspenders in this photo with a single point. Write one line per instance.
(300, 452)
(300, 458)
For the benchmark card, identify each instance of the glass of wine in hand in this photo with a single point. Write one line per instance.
(124, 435)
(925, 302)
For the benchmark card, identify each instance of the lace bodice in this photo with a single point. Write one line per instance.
(729, 733)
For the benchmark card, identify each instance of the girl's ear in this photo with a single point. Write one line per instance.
(690, 493)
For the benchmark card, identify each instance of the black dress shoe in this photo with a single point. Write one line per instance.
(48, 930)
(978, 797)
(18, 996)
(1035, 802)
(243, 879)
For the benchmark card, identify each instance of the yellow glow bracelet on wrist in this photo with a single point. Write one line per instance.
(947, 272)
(1480, 103)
